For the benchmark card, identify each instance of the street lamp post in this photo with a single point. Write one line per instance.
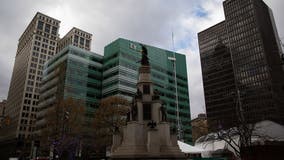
(179, 128)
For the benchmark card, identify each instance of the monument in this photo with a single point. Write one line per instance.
(147, 134)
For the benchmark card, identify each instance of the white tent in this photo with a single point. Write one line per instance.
(266, 130)
(186, 148)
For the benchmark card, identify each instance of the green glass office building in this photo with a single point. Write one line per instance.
(87, 76)
(75, 73)
(120, 74)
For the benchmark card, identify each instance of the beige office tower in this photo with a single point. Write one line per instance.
(36, 45)
(75, 37)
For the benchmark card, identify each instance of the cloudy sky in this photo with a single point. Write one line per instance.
(146, 21)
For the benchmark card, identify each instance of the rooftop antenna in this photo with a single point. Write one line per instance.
(173, 42)
(178, 122)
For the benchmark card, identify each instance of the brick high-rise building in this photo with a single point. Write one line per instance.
(36, 45)
(251, 39)
(75, 37)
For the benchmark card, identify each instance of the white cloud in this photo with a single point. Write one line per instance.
(147, 21)
(192, 25)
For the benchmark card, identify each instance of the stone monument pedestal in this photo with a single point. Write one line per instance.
(141, 142)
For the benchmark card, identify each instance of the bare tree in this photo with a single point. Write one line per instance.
(111, 114)
(64, 127)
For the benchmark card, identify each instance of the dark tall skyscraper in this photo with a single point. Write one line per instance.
(242, 54)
